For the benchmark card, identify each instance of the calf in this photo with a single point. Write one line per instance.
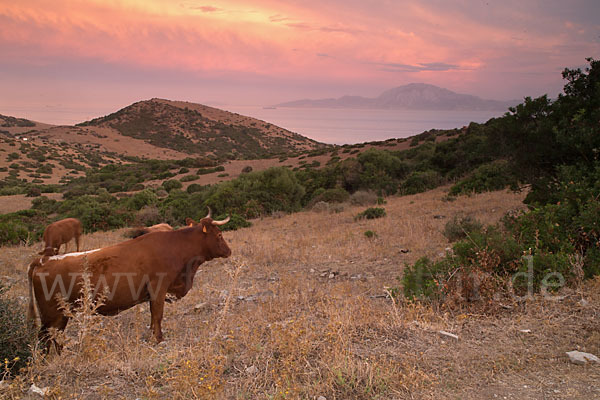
(61, 232)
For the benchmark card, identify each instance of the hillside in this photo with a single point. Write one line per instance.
(201, 130)
(418, 96)
(300, 311)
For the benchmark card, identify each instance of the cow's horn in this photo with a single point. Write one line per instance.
(223, 222)
(209, 212)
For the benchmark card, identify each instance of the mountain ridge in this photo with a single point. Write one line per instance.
(421, 96)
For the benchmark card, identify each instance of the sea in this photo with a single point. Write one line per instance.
(328, 125)
(350, 126)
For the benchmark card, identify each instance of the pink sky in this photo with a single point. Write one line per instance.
(93, 57)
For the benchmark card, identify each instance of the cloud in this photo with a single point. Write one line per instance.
(419, 67)
(206, 9)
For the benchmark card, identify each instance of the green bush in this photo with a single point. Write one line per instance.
(195, 187)
(371, 213)
(189, 178)
(171, 184)
(486, 178)
(370, 234)
(16, 335)
(13, 232)
(422, 280)
(236, 222)
(335, 195)
(420, 181)
(460, 227)
(142, 198)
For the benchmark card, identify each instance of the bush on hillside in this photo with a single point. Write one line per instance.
(335, 195)
(16, 336)
(141, 199)
(371, 213)
(496, 175)
(420, 181)
(461, 227)
(171, 184)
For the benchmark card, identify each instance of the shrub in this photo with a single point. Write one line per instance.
(236, 222)
(371, 213)
(141, 199)
(363, 198)
(246, 169)
(460, 227)
(148, 215)
(420, 181)
(189, 178)
(488, 177)
(370, 234)
(422, 279)
(34, 192)
(13, 232)
(16, 336)
(45, 204)
(171, 184)
(321, 206)
(194, 187)
(335, 195)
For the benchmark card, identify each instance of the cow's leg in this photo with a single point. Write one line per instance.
(77, 242)
(44, 335)
(156, 313)
(151, 319)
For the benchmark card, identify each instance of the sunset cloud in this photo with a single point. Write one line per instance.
(495, 50)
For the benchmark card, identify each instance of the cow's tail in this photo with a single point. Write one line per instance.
(31, 314)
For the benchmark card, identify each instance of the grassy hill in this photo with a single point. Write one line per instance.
(202, 130)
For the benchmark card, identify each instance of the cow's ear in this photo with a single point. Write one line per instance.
(189, 222)
(204, 228)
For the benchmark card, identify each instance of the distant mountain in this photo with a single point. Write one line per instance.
(419, 96)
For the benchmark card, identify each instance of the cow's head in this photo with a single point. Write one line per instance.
(215, 243)
(49, 251)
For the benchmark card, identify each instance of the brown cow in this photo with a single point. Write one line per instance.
(61, 232)
(132, 272)
(135, 232)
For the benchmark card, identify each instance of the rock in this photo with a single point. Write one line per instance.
(251, 370)
(439, 216)
(260, 296)
(312, 271)
(37, 390)
(331, 275)
(581, 358)
(200, 306)
(448, 334)
(321, 398)
(525, 330)
(404, 251)
(3, 384)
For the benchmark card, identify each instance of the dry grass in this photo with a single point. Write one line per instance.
(297, 312)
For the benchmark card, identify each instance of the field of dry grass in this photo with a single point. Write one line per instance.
(299, 311)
